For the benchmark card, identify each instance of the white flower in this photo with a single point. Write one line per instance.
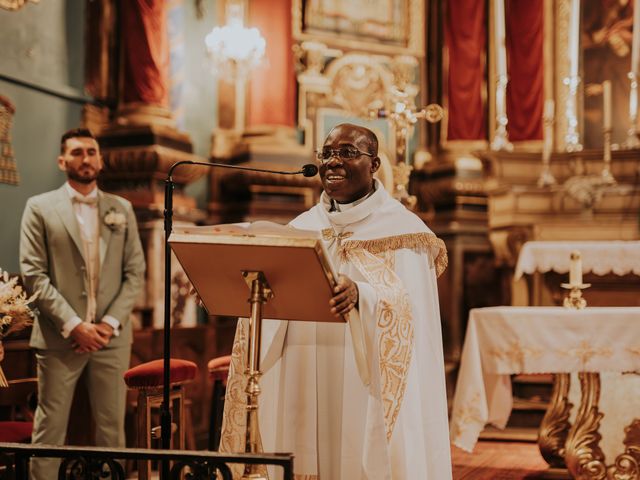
(115, 220)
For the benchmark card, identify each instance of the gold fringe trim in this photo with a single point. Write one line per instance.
(419, 242)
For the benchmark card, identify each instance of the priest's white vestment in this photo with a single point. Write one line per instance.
(315, 402)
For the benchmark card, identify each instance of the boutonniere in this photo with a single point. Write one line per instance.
(115, 220)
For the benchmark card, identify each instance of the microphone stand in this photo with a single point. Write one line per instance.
(308, 170)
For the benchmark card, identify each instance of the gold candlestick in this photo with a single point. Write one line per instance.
(574, 298)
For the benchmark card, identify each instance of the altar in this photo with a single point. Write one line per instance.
(593, 422)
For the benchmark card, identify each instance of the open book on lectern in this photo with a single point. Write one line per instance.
(295, 263)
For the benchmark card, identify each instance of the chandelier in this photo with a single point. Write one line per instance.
(233, 49)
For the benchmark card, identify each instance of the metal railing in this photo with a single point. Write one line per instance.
(89, 463)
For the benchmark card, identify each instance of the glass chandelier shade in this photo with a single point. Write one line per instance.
(233, 49)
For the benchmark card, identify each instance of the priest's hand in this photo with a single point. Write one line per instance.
(87, 338)
(345, 296)
(1, 351)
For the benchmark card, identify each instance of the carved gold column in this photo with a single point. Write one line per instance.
(583, 455)
(555, 425)
(627, 465)
(141, 141)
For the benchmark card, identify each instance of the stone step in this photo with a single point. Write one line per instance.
(534, 387)
(515, 434)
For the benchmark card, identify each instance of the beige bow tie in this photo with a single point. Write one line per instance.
(85, 200)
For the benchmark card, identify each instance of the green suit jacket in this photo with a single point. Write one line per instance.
(52, 263)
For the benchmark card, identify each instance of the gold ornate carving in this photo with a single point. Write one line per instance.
(357, 83)
(555, 425)
(413, 43)
(583, 455)
(419, 242)
(8, 168)
(15, 4)
(394, 322)
(562, 29)
(627, 465)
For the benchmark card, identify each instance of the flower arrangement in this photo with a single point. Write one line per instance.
(15, 310)
(115, 220)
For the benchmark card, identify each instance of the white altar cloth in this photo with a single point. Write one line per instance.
(599, 257)
(501, 341)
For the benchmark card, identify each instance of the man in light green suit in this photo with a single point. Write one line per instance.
(80, 249)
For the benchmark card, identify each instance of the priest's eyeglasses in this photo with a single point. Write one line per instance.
(345, 152)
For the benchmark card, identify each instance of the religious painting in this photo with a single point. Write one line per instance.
(8, 169)
(391, 26)
(607, 30)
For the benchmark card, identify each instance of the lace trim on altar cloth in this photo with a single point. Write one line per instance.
(599, 257)
(419, 242)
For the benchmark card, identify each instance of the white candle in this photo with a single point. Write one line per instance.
(635, 44)
(549, 112)
(574, 38)
(501, 52)
(575, 268)
(606, 105)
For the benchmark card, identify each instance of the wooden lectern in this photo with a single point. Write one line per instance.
(289, 277)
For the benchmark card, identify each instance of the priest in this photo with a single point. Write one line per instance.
(367, 406)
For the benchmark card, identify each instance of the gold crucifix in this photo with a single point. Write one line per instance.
(401, 111)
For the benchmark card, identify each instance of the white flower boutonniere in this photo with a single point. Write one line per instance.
(115, 220)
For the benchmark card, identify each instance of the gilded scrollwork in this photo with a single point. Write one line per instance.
(555, 425)
(627, 465)
(583, 455)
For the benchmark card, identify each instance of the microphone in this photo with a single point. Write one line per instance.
(308, 170)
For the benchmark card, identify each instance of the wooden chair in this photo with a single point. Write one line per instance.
(218, 373)
(147, 379)
(18, 402)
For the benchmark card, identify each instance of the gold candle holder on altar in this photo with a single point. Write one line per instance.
(574, 298)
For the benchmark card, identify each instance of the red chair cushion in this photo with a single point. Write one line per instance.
(219, 368)
(150, 374)
(15, 432)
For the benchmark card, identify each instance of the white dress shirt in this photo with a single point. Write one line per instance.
(87, 216)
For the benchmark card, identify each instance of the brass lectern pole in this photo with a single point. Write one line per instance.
(260, 293)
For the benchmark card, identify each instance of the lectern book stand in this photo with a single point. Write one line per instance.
(283, 273)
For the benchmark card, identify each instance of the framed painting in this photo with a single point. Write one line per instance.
(386, 26)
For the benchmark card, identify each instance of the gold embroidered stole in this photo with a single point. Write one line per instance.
(234, 419)
(394, 327)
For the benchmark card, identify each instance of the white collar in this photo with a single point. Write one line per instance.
(358, 210)
(74, 193)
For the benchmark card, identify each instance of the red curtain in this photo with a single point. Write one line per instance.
(272, 90)
(146, 51)
(525, 94)
(465, 37)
